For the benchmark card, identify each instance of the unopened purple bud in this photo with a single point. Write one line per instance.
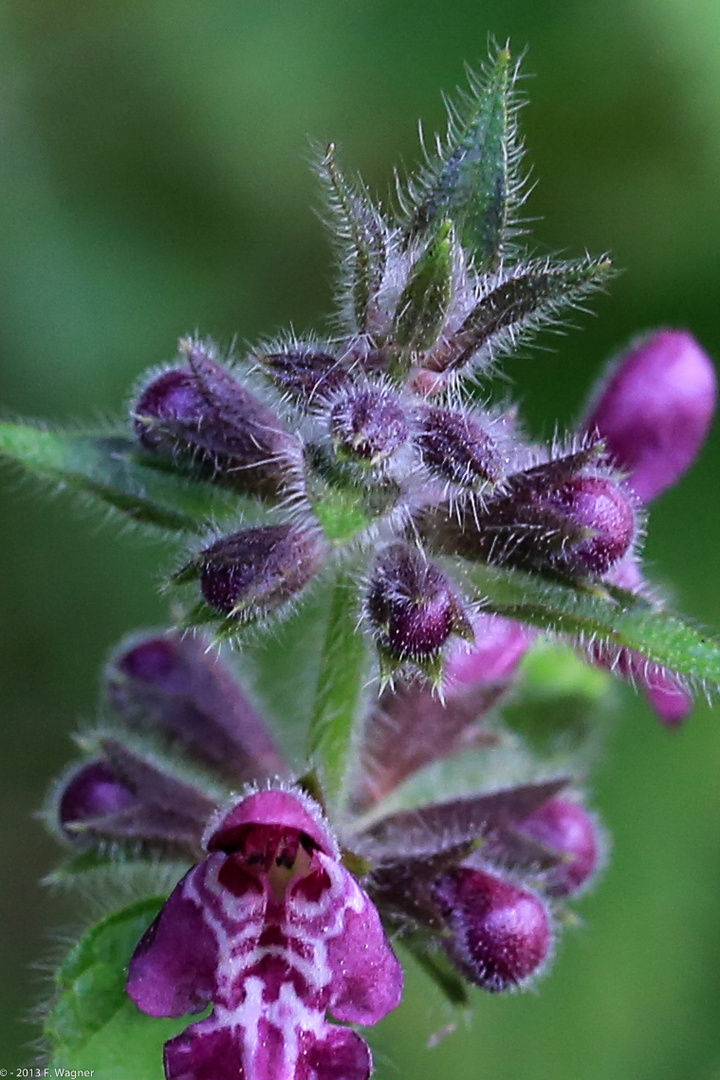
(411, 605)
(200, 414)
(177, 687)
(595, 504)
(454, 447)
(256, 570)
(568, 828)
(305, 374)
(93, 792)
(655, 409)
(500, 934)
(368, 425)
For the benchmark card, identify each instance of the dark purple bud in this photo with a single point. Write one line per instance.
(94, 791)
(368, 425)
(177, 687)
(200, 415)
(454, 447)
(256, 570)
(411, 605)
(306, 375)
(655, 408)
(566, 826)
(556, 518)
(500, 934)
(596, 505)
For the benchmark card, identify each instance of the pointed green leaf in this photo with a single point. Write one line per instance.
(472, 181)
(618, 618)
(424, 301)
(339, 690)
(361, 231)
(110, 468)
(92, 1023)
(527, 300)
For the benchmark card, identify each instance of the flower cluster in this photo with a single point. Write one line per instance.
(366, 473)
(269, 924)
(375, 444)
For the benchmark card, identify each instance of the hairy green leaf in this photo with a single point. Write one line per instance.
(110, 468)
(424, 301)
(527, 300)
(360, 229)
(618, 618)
(472, 182)
(92, 1023)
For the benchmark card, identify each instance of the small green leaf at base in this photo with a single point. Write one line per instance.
(110, 468)
(93, 1024)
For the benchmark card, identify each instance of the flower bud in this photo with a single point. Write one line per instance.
(411, 605)
(500, 934)
(175, 687)
(566, 827)
(454, 447)
(368, 425)
(201, 415)
(655, 409)
(554, 518)
(256, 570)
(306, 375)
(94, 791)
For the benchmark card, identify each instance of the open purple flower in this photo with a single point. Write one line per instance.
(273, 930)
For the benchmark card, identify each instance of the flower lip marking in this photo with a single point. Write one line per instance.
(273, 930)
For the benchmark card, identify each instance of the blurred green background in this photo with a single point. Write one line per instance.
(153, 180)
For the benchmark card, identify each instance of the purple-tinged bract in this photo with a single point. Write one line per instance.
(368, 425)
(454, 447)
(274, 931)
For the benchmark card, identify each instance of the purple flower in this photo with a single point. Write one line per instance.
(655, 409)
(273, 930)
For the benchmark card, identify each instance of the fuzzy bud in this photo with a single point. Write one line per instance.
(368, 425)
(201, 415)
(454, 447)
(568, 828)
(256, 570)
(500, 934)
(94, 791)
(655, 409)
(306, 375)
(176, 687)
(553, 518)
(411, 605)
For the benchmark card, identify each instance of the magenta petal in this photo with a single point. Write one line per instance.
(172, 971)
(499, 646)
(212, 1055)
(655, 410)
(670, 702)
(291, 810)
(343, 1055)
(367, 978)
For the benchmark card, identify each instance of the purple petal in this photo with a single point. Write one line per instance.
(343, 1055)
(655, 409)
(500, 645)
(291, 810)
(93, 791)
(173, 969)
(367, 980)
(666, 695)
